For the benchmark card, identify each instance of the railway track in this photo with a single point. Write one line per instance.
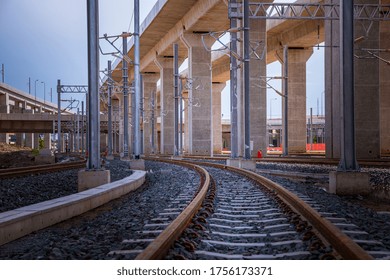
(240, 221)
(47, 168)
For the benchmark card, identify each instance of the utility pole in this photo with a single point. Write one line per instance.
(125, 77)
(246, 81)
(59, 142)
(2, 73)
(109, 109)
(285, 103)
(136, 115)
(348, 160)
(93, 86)
(176, 83)
(233, 88)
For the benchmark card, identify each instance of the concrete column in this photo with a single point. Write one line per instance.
(36, 140)
(217, 117)
(200, 123)
(19, 139)
(149, 89)
(297, 59)
(367, 108)
(103, 142)
(47, 141)
(29, 140)
(367, 90)
(384, 85)
(258, 91)
(332, 87)
(4, 103)
(4, 108)
(167, 100)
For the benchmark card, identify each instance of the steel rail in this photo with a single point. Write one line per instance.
(21, 171)
(345, 246)
(160, 246)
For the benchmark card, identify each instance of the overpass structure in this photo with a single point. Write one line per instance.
(194, 26)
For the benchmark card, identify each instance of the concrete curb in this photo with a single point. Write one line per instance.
(22, 221)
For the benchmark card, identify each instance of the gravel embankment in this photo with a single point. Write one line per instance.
(379, 177)
(96, 233)
(23, 191)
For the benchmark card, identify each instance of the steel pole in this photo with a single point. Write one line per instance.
(93, 85)
(125, 100)
(176, 85)
(348, 160)
(181, 117)
(2, 73)
(246, 80)
(137, 150)
(78, 131)
(82, 128)
(233, 89)
(311, 129)
(142, 112)
(59, 140)
(153, 121)
(285, 103)
(109, 109)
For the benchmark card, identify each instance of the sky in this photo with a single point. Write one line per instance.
(46, 40)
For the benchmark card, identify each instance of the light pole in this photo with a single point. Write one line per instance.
(270, 107)
(44, 91)
(35, 92)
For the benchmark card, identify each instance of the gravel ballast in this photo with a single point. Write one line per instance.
(94, 234)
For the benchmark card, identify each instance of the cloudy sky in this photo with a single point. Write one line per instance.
(46, 40)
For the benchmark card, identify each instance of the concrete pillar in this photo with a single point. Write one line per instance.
(47, 141)
(217, 117)
(367, 84)
(4, 103)
(200, 125)
(167, 102)
(19, 139)
(4, 138)
(29, 140)
(149, 89)
(4, 108)
(36, 140)
(103, 142)
(297, 59)
(367, 108)
(332, 87)
(258, 91)
(384, 87)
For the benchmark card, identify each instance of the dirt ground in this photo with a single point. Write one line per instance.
(14, 156)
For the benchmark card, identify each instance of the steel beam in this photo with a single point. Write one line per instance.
(313, 11)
